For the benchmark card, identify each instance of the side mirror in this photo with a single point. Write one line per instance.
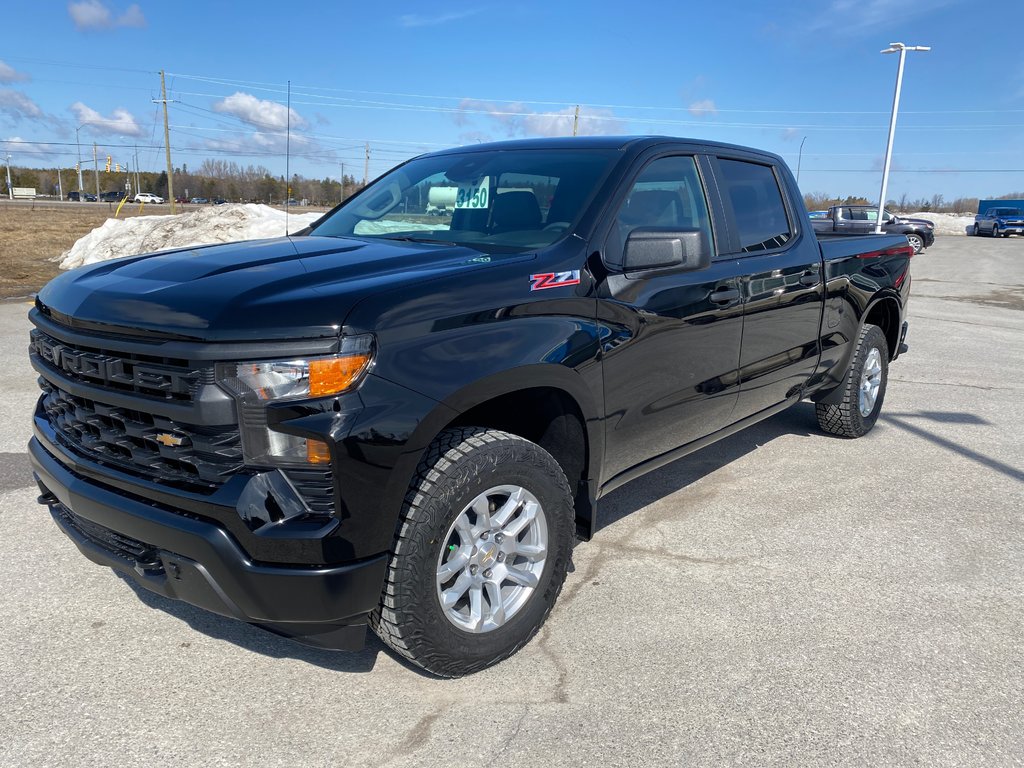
(665, 247)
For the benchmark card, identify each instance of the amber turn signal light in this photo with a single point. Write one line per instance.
(335, 374)
(317, 452)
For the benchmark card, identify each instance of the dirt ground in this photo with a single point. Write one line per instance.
(32, 237)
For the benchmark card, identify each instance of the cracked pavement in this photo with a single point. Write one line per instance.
(782, 597)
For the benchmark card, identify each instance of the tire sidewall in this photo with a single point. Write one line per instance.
(485, 468)
(871, 338)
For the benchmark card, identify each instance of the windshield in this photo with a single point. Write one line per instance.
(1007, 212)
(508, 200)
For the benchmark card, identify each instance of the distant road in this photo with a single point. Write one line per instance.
(157, 207)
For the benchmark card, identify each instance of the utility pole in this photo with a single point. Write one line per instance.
(137, 168)
(10, 192)
(96, 169)
(342, 183)
(901, 49)
(366, 166)
(167, 142)
(576, 121)
(60, 186)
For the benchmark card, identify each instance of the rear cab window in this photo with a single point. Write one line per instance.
(759, 212)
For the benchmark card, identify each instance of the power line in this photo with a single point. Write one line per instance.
(257, 85)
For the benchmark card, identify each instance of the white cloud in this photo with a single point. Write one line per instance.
(517, 120)
(17, 105)
(120, 122)
(258, 112)
(16, 144)
(94, 14)
(860, 15)
(703, 107)
(9, 74)
(262, 143)
(415, 20)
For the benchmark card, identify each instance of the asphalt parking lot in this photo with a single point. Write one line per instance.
(782, 598)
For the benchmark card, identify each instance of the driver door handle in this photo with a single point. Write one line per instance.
(724, 295)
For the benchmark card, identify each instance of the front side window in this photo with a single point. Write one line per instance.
(758, 208)
(502, 201)
(668, 193)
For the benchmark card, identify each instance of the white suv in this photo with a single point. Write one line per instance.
(146, 197)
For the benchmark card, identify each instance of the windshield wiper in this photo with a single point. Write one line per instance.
(411, 239)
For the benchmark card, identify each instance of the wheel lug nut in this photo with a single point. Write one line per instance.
(501, 557)
(498, 538)
(473, 569)
(488, 573)
(484, 535)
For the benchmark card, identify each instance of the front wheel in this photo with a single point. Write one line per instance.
(995, 231)
(916, 242)
(976, 230)
(863, 388)
(480, 554)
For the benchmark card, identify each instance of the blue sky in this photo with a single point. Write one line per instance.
(409, 77)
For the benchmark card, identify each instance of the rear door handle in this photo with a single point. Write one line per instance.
(724, 295)
(809, 278)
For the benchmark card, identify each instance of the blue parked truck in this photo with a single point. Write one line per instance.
(999, 218)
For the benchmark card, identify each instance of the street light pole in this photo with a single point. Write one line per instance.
(10, 192)
(96, 169)
(901, 49)
(79, 143)
(799, 160)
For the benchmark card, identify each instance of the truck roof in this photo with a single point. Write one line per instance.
(637, 143)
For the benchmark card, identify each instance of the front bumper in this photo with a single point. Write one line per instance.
(186, 558)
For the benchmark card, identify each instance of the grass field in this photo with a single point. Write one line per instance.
(33, 236)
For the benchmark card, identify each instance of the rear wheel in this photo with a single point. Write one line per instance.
(480, 555)
(976, 230)
(863, 388)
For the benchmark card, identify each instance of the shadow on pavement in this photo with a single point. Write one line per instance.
(257, 640)
(903, 421)
(800, 420)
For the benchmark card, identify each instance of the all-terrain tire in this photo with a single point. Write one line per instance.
(846, 418)
(459, 466)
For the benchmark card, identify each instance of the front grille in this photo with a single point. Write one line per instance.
(154, 447)
(132, 551)
(160, 377)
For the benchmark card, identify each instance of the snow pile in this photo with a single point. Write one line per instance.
(946, 223)
(216, 224)
(383, 226)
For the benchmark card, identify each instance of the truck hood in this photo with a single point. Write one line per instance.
(916, 222)
(285, 288)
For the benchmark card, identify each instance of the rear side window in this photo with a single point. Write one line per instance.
(757, 205)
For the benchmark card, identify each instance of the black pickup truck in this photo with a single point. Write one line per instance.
(405, 421)
(860, 220)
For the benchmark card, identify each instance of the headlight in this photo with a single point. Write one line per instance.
(255, 384)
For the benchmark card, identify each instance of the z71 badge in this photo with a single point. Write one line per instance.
(554, 279)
